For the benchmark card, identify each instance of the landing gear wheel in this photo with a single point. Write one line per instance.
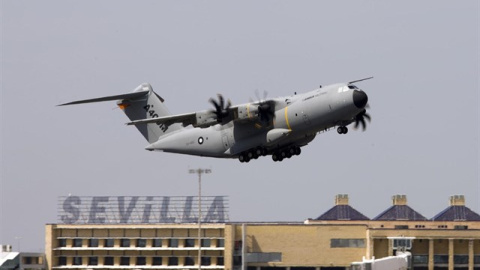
(298, 151)
(241, 158)
(342, 130)
(275, 157)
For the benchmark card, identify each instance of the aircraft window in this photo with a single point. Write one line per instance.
(352, 87)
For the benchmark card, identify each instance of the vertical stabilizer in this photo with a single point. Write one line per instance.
(142, 103)
(148, 106)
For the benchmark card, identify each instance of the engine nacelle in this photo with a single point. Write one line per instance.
(205, 119)
(247, 111)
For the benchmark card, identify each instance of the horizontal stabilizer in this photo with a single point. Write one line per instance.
(133, 95)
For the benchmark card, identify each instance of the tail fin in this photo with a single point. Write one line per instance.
(142, 103)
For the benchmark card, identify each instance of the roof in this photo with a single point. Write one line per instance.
(342, 212)
(400, 212)
(455, 213)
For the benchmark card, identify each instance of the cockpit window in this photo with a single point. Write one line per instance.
(351, 86)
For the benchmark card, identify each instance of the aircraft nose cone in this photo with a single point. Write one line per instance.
(360, 99)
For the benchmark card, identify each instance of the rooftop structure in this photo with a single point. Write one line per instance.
(400, 211)
(342, 211)
(457, 211)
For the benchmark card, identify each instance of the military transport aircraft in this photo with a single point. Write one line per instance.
(276, 127)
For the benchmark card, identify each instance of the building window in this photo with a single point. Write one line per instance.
(77, 260)
(27, 260)
(62, 242)
(420, 259)
(440, 259)
(189, 242)
(172, 242)
(108, 261)
(237, 260)
(189, 261)
(157, 243)
(141, 261)
(347, 243)
(93, 261)
(62, 260)
(141, 243)
(77, 242)
(220, 242)
(442, 226)
(460, 259)
(206, 261)
(93, 243)
(109, 243)
(206, 242)
(172, 261)
(157, 261)
(220, 261)
(124, 260)
(125, 242)
(401, 227)
(461, 227)
(401, 244)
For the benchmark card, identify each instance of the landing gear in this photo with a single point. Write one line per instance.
(342, 130)
(278, 155)
(286, 153)
(252, 154)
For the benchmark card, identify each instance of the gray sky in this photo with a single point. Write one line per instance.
(422, 142)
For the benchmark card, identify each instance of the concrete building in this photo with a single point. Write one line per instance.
(340, 236)
(10, 260)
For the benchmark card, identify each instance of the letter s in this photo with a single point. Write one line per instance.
(69, 208)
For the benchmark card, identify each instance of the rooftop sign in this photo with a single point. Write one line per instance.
(140, 209)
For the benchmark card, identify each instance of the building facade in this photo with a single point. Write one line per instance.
(340, 236)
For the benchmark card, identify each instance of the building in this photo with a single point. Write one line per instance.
(338, 237)
(10, 260)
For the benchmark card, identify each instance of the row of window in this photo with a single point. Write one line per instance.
(421, 226)
(125, 261)
(347, 243)
(125, 242)
(443, 259)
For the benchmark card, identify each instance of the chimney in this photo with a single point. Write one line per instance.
(457, 200)
(341, 199)
(399, 200)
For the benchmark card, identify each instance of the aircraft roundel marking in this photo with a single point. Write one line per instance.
(200, 140)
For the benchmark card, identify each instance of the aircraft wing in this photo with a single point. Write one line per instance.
(246, 113)
(197, 119)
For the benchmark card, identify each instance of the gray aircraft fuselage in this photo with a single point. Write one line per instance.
(304, 115)
(277, 127)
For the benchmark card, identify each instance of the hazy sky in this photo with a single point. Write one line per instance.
(423, 140)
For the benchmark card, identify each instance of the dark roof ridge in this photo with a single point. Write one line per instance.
(342, 212)
(400, 212)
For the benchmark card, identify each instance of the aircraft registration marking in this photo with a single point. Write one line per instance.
(154, 115)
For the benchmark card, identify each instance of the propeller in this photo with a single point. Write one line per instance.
(360, 119)
(266, 109)
(221, 111)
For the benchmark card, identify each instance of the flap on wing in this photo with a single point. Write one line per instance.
(185, 119)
